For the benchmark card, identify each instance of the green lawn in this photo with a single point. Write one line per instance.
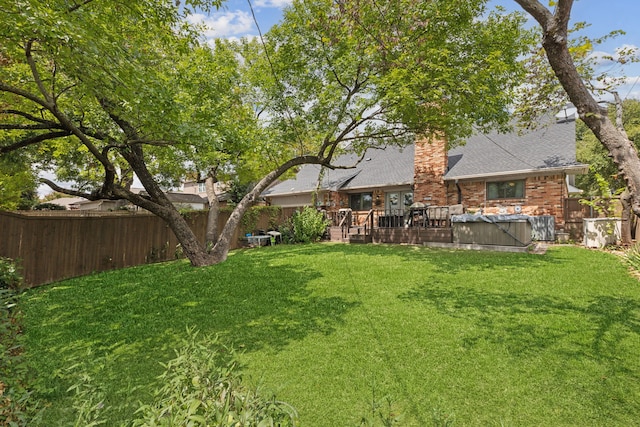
(486, 338)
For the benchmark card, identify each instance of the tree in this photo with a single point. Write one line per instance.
(603, 173)
(589, 150)
(556, 43)
(103, 90)
(17, 182)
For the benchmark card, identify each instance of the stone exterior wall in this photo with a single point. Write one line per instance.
(430, 165)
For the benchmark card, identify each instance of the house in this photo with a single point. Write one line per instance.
(199, 188)
(68, 203)
(515, 173)
(179, 200)
(187, 201)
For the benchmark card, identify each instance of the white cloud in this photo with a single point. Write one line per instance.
(605, 58)
(212, 41)
(273, 3)
(630, 88)
(224, 24)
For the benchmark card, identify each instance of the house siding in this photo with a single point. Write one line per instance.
(544, 195)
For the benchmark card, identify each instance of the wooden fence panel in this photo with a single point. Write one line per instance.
(60, 245)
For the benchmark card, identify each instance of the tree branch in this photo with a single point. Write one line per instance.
(25, 115)
(539, 12)
(563, 13)
(76, 193)
(18, 126)
(4, 87)
(33, 140)
(36, 74)
(79, 5)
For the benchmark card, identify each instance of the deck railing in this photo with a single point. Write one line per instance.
(425, 217)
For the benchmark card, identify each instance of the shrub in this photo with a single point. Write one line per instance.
(10, 276)
(17, 408)
(47, 206)
(633, 256)
(203, 386)
(308, 225)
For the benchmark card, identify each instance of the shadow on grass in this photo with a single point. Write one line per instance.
(513, 319)
(245, 300)
(137, 316)
(603, 331)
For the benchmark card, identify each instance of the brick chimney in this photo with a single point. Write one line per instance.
(429, 166)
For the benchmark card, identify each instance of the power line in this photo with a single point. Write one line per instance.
(273, 72)
(632, 86)
(504, 149)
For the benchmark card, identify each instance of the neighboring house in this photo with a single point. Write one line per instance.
(187, 201)
(193, 187)
(179, 200)
(68, 203)
(98, 205)
(529, 173)
(82, 204)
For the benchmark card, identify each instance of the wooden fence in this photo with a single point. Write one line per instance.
(60, 245)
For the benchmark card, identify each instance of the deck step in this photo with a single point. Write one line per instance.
(359, 238)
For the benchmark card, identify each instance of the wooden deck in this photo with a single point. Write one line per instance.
(410, 235)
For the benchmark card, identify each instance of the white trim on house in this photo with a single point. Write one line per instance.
(521, 173)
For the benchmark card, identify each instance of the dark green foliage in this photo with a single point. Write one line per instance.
(589, 150)
(10, 276)
(48, 207)
(16, 406)
(237, 190)
(306, 226)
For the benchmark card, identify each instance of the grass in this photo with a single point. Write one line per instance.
(353, 335)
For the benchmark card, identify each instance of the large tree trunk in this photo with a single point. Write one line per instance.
(158, 204)
(627, 222)
(211, 235)
(555, 39)
(221, 248)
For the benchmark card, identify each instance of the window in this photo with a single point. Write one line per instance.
(202, 188)
(399, 200)
(361, 201)
(505, 189)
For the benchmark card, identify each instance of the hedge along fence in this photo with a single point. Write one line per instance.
(64, 244)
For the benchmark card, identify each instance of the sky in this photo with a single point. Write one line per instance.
(234, 20)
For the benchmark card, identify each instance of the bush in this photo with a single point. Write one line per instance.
(307, 226)
(633, 256)
(17, 408)
(203, 386)
(10, 277)
(47, 206)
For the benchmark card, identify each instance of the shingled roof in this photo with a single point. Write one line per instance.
(379, 168)
(548, 147)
